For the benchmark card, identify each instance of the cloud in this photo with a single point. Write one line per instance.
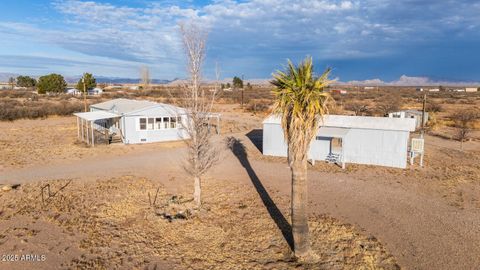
(263, 31)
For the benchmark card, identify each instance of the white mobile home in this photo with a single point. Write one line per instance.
(349, 139)
(133, 121)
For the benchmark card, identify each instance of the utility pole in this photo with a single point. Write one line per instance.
(242, 91)
(84, 93)
(423, 114)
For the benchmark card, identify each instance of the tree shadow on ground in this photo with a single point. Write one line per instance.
(238, 149)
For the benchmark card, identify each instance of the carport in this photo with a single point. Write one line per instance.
(86, 125)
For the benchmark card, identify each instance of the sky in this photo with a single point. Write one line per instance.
(359, 40)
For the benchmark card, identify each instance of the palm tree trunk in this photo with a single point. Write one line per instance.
(299, 208)
(197, 193)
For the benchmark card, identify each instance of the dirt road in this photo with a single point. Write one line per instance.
(420, 230)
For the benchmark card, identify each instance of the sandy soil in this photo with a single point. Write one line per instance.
(48, 141)
(428, 218)
(111, 224)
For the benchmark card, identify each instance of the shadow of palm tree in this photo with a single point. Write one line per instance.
(238, 149)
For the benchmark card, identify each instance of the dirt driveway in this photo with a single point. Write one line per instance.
(419, 229)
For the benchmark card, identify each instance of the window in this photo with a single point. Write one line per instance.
(151, 125)
(173, 122)
(166, 122)
(143, 123)
(158, 123)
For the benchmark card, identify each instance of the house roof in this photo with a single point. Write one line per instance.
(359, 122)
(96, 115)
(410, 111)
(130, 106)
(122, 105)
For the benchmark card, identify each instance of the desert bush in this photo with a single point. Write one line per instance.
(259, 105)
(13, 109)
(433, 106)
(17, 94)
(388, 104)
(465, 123)
(358, 108)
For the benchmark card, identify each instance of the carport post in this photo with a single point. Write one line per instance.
(86, 132)
(93, 137)
(81, 124)
(78, 128)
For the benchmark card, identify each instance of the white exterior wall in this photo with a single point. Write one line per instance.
(273, 142)
(133, 134)
(361, 146)
(376, 147)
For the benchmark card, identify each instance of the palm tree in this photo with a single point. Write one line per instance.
(301, 103)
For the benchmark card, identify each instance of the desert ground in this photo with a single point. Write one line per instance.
(127, 206)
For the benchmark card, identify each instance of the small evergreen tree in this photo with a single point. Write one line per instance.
(90, 82)
(26, 81)
(52, 83)
(237, 82)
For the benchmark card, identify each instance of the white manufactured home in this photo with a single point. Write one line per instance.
(349, 139)
(133, 121)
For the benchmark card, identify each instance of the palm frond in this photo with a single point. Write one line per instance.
(302, 102)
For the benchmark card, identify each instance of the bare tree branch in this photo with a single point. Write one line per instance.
(198, 104)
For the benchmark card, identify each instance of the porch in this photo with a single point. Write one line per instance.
(98, 127)
(328, 145)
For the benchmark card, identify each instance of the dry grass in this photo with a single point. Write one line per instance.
(109, 224)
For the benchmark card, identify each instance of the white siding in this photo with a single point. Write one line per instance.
(273, 142)
(376, 147)
(133, 134)
(361, 146)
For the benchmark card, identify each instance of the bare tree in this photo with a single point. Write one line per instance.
(389, 103)
(464, 121)
(357, 107)
(145, 78)
(198, 104)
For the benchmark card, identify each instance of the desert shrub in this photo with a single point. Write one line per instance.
(258, 105)
(13, 109)
(17, 94)
(358, 108)
(433, 106)
(388, 104)
(465, 123)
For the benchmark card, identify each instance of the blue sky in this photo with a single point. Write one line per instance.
(360, 40)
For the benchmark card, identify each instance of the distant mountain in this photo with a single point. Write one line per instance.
(5, 76)
(179, 82)
(405, 80)
(115, 80)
